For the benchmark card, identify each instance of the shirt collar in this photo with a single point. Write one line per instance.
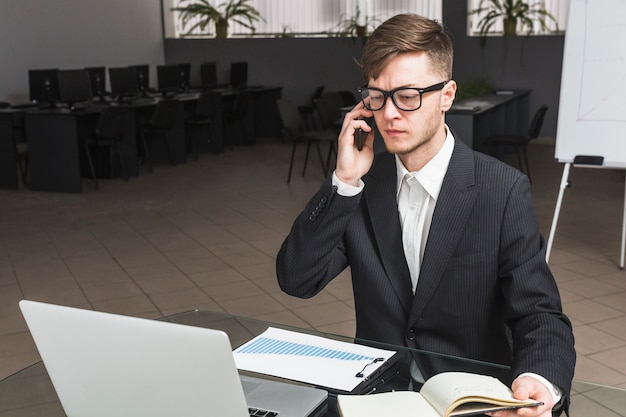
(432, 174)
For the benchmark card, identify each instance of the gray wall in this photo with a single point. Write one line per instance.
(74, 34)
(299, 65)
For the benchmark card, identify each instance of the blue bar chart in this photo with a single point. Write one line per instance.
(311, 359)
(270, 346)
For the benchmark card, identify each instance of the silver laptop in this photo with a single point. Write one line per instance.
(104, 365)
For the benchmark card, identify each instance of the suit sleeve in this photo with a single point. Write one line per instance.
(313, 253)
(542, 336)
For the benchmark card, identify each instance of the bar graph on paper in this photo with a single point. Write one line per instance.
(269, 346)
(311, 359)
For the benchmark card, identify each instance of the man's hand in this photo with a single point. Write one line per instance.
(352, 164)
(527, 387)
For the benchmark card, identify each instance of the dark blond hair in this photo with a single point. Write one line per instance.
(407, 33)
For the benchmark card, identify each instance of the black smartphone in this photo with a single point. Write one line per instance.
(362, 135)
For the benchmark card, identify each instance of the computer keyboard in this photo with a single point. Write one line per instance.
(257, 412)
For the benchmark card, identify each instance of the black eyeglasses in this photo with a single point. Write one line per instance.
(404, 98)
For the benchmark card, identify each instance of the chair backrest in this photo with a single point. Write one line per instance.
(241, 104)
(535, 125)
(164, 114)
(328, 108)
(348, 98)
(317, 93)
(208, 104)
(289, 115)
(113, 122)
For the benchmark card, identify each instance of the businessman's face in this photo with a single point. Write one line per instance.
(416, 136)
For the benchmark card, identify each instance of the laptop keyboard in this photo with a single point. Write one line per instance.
(257, 412)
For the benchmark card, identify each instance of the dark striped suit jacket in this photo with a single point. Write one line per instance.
(484, 290)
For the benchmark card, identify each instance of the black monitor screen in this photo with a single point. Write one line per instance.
(123, 82)
(74, 85)
(168, 78)
(97, 78)
(143, 77)
(43, 85)
(208, 74)
(238, 74)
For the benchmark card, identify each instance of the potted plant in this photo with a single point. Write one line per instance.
(355, 26)
(514, 14)
(238, 11)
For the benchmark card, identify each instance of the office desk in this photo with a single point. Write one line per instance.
(55, 148)
(30, 392)
(475, 119)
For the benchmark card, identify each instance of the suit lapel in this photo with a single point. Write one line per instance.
(380, 197)
(458, 191)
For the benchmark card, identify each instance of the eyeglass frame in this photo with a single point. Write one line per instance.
(390, 94)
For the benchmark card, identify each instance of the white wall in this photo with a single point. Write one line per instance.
(75, 34)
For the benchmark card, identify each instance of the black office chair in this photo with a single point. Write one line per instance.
(207, 109)
(292, 130)
(348, 98)
(498, 142)
(159, 126)
(236, 114)
(110, 131)
(307, 111)
(328, 107)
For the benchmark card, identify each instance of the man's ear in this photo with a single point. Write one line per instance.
(448, 94)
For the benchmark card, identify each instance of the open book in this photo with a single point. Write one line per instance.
(443, 395)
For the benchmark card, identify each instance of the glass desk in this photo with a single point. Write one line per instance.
(30, 392)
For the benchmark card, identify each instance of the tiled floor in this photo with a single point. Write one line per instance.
(205, 234)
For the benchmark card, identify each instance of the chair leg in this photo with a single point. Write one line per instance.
(118, 149)
(306, 156)
(331, 151)
(319, 154)
(22, 167)
(146, 154)
(93, 171)
(293, 154)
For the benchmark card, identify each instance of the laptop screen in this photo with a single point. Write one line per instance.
(104, 365)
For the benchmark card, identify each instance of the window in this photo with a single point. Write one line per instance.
(304, 18)
(557, 8)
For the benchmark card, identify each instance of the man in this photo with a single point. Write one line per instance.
(443, 245)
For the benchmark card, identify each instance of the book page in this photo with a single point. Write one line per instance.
(448, 390)
(395, 403)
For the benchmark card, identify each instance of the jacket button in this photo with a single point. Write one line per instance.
(410, 335)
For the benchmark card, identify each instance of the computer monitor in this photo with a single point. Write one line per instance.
(74, 86)
(238, 74)
(43, 85)
(208, 75)
(123, 82)
(97, 78)
(168, 78)
(143, 77)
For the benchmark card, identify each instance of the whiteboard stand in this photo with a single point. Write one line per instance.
(557, 210)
